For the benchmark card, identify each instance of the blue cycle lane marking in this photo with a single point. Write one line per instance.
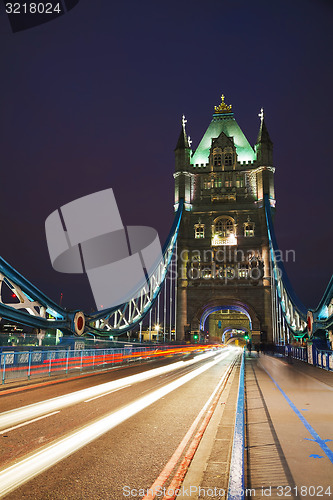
(316, 437)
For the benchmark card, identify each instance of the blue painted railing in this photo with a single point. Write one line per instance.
(310, 354)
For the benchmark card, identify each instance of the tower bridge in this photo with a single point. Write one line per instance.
(218, 283)
(227, 251)
(221, 248)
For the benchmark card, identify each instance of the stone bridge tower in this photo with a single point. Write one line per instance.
(223, 252)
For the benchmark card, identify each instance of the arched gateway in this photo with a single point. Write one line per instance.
(223, 249)
(225, 314)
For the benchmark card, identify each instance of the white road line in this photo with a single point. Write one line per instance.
(29, 422)
(17, 474)
(106, 393)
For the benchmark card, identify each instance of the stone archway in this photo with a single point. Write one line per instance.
(202, 313)
(227, 333)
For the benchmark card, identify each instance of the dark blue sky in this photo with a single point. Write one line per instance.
(94, 100)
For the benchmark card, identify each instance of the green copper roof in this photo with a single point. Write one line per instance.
(227, 124)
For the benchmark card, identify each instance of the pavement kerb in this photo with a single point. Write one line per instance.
(202, 457)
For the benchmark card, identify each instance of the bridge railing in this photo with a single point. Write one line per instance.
(33, 364)
(323, 359)
(310, 354)
(295, 352)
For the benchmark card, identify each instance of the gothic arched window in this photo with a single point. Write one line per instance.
(199, 230)
(217, 160)
(224, 227)
(249, 229)
(217, 157)
(228, 159)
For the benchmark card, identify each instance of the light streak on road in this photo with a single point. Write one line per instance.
(17, 474)
(34, 410)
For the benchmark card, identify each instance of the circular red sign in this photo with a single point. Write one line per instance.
(79, 323)
(309, 322)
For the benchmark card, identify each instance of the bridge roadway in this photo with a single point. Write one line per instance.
(90, 446)
(87, 445)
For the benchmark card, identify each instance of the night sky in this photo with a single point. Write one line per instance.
(94, 100)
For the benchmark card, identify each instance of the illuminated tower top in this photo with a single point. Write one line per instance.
(223, 121)
(223, 108)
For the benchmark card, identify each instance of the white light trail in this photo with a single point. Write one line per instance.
(34, 410)
(17, 474)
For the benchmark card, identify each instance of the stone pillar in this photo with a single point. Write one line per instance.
(181, 320)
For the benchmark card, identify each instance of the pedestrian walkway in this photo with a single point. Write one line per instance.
(289, 419)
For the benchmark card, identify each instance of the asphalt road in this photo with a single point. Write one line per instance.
(88, 443)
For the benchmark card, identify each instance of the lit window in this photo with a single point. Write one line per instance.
(249, 229)
(224, 232)
(242, 272)
(199, 231)
(239, 181)
(230, 273)
(217, 157)
(206, 273)
(224, 227)
(218, 182)
(228, 180)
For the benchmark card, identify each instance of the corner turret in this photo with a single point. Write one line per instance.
(264, 152)
(264, 145)
(182, 175)
(183, 149)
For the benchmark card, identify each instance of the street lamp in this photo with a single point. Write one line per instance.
(157, 329)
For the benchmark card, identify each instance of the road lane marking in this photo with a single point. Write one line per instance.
(14, 476)
(29, 422)
(37, 409)
(106, 393)
(316, 437)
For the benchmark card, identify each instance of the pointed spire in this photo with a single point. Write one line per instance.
(263, 136)
(183, 142)
(264, 145)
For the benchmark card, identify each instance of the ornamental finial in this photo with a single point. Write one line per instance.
(223, 107)
(261, 115)
(183, 121)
